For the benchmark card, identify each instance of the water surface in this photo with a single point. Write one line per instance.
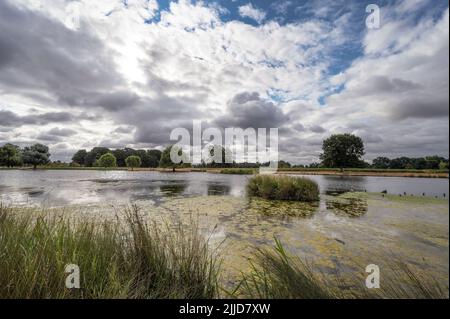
(60, 188)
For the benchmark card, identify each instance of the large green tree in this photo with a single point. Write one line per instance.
(107, 160)
(10, 155)
(342, 150)
(37, 154)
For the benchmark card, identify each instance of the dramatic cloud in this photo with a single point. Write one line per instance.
(10, 119)
(79, 74)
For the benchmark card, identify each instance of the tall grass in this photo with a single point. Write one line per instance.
(277, 275)
(283, 188)
(126, 259)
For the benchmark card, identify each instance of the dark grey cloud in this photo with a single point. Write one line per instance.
(299, 127)
(154, 119)
(317, 129)
(110, 101)
(417, 107)
(39, 53)
(123, 129)
(248, 109)
(64, 132)
(11, 119)
(49, 137)
(383, 84)
(116, 100)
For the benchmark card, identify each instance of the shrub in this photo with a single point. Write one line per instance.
(283, 188)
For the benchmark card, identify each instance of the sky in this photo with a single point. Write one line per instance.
(116, 73)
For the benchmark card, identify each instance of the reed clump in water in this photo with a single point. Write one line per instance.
(283, 188)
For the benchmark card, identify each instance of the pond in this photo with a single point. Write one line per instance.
(352, 224)
(76, 187)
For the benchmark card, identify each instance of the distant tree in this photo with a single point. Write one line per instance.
(342, 150)
(133, 161)
(381, 162)
(129, 151)
(10, 155)
(37, 154)
(107, 160)
(166, 161)
(79, 157)
(399, 162)
(443, 165)
(284, 164)
(219, 156)
(156, 154)
(94, 155)
(120, 155)
(433, 161)
(419, 163)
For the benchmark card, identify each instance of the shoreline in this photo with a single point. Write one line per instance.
(328, 172)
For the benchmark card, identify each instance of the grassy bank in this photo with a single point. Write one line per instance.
(130, 259)
(283, 188)
(238, 171)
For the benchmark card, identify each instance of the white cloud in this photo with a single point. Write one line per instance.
(249, 11)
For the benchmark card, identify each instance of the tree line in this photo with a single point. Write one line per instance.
(126, 157)
(427, 162)
(338, 151)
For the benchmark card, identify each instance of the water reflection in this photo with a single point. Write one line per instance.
(218, 189)
(173, 189)
(282, 208)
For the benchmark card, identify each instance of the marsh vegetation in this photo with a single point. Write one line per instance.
(277, 274)
(132, 257)
(283, 188)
